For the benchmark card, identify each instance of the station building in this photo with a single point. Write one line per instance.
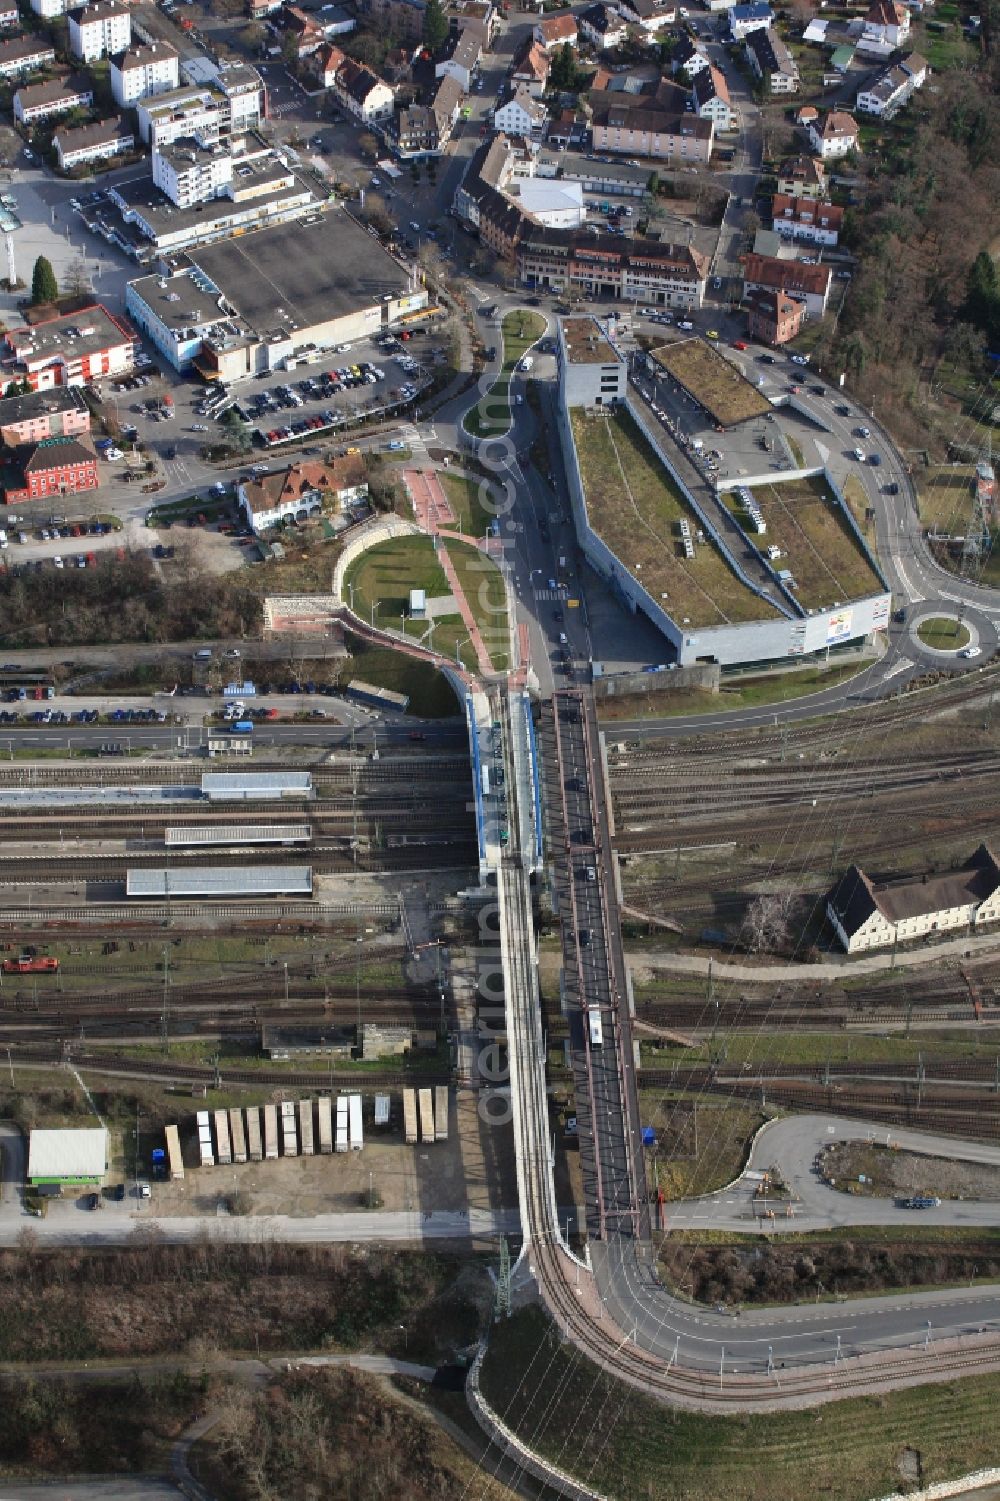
(865, 916)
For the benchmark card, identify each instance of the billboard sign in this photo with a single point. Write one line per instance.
(838, 626)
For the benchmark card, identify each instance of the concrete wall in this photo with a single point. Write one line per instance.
(620, 684)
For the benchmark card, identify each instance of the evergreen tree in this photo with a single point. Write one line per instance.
(435, 25)
(44, 287)
(982, 297)
(564, 73)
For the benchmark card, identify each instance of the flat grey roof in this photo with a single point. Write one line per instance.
(298, 275)
(222, 880)
(250, 783)
(72, 1154)
(231, 833)
(142, 196)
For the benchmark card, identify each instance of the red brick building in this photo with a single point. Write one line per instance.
(46, 470)
(774, 318)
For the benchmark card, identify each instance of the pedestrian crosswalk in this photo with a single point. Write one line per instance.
(550, 594)
(410, 435)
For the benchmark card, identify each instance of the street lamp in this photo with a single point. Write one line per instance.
(458, 650)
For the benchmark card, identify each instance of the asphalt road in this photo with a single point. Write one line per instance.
(791, 1144)
(68, 1224)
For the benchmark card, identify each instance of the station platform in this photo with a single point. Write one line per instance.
(502, 740)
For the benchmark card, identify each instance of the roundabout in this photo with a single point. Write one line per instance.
(946, 637)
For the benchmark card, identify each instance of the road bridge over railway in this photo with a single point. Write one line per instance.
(610, 1302)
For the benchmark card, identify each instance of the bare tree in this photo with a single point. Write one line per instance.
(767, 923)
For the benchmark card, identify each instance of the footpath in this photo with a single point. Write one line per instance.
(826, 970)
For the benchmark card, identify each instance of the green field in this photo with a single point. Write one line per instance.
(636, 509)
(379, 583)
(809, 1048)
(944, 496)
(491, 416)
(632, 1448)
(943, 633)
(822, 554)
(467, 495)
(735, 693)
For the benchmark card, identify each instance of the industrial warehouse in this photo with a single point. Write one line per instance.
(244, 306)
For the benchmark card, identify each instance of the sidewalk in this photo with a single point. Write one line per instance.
(433, 512)
(827, 970)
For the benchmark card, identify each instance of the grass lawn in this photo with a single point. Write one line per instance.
(431, 695)
(737, 694)
(944, 496)
(491, 416)
(381, 581)
(467, 495)
(483, 587)
(857, 500)
(702, 1144)
(807, 1048)
(943, 634)
(641, 1451)
(635, 508)
(945, 48)
(822, 555)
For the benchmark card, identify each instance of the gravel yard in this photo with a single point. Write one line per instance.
(888, 1174)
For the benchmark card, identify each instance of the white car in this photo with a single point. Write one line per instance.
(199, 427)
(685, 324)
(57, 562)
(799, 359)
(859, 454)
(971, 651)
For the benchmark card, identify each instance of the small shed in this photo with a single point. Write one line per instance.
(418, 604)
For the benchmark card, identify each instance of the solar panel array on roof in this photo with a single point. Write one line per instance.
(256, 784)
(224, 881)
(231, 833)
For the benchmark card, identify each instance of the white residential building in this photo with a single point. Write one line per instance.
(520, 114)
(189, 173)
(461, 57)
(886, 94)
(142, 71)
(833, 135)
(601, 26)
(756, 16)
(772, 62)
(93, 143)
(361, 92)
(24, 54)
(710, 98)
(886, 28)
(49, 9)
(100, 30)
(806, 220)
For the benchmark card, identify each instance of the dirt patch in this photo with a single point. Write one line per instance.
(859, 1167)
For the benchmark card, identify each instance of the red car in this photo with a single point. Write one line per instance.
(739, 344)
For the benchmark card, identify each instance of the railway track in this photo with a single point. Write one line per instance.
(85, 1061)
